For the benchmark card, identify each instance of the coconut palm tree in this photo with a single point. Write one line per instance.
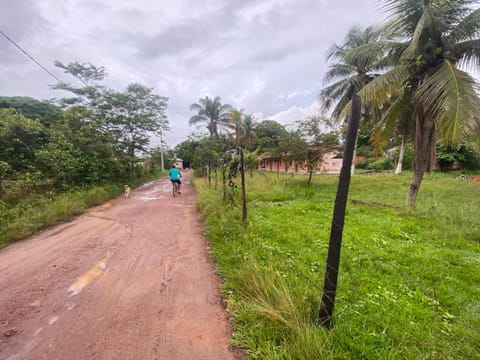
(426, 79)
(211, 112)
(357, 62)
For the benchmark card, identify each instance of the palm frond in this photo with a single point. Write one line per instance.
(336, 90)
(225, 108)
(195, 119)
(405, 14)
(385, 86)
(394, 119)
(334, 52)
(475, 132)
(342, 104)
(467, 29)
(338, 71)
(468, 53)
(366, 56)
(341, 91)
(204, 102)
(412, 49)
(449, 94)
(196, 107)
(380, 89)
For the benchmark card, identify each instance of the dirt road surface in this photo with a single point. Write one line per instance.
(131, 279)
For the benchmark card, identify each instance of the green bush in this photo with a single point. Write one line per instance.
(463, 153)
(366, 164)
(383, 164)
(374, 164)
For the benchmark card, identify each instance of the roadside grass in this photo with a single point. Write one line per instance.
(40, 211)
(409, 279)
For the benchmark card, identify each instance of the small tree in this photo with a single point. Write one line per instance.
(268, 133)
(321, 139)
(292, 147)
(125, 119)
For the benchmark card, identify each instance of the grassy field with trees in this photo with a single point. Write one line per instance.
(408, 282)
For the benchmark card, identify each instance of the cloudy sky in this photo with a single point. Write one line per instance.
(264, 56)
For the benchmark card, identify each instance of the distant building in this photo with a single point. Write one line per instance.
(179, 163)
(331, 164)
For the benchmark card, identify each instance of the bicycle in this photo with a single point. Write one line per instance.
(175, 188)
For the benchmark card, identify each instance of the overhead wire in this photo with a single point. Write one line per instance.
(29, 56)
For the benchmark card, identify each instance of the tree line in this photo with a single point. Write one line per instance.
(304, 142)
(94, 136)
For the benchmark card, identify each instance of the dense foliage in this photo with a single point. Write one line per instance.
(96, 136)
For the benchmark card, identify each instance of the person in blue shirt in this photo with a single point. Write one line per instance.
(175, 176)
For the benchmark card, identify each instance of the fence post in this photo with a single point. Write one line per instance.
(333, 259)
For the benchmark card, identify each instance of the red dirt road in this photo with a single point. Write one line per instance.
(131, 279)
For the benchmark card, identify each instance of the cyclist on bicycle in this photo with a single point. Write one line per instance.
(175, 176)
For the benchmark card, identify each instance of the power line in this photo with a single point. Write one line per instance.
(29, 56)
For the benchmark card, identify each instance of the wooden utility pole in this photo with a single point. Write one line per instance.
(162, 165)
(242, 175)
(333, 259)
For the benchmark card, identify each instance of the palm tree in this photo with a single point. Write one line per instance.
(211, 112)
(248, 135)
(392, 124)
(440, 98)
(244, 129)
(235, 123)
(358, 61)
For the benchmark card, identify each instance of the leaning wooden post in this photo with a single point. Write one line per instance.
(333, 259)
(224, 178)
(209, 175)
(242, 175)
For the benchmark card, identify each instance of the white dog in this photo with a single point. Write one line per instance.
(127, 191)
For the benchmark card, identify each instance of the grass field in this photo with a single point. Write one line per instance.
(409, 281)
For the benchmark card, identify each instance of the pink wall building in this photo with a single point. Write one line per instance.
(331, 163)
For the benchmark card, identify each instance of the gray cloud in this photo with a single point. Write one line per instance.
(20, 21)
(20, 18)
(263, 56)
(176, 40)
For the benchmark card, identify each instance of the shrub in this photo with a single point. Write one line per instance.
(382, 164)
(373, 164)
(366, 164)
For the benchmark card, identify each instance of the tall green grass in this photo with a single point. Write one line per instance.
(409, 278)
